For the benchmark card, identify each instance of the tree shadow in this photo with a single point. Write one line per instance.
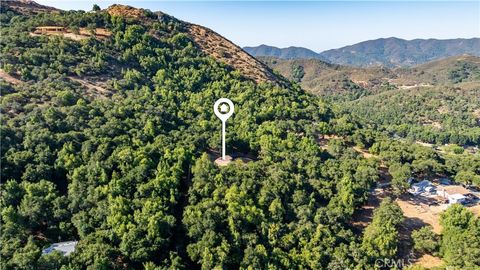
(405, 243)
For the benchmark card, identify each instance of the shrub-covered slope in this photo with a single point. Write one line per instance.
(437, 102)
(108, 141)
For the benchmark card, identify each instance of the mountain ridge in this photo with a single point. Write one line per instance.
(207, 40)
(324, 78)
(221, 49)
(389, 52)
(28, 7)
(291, 52)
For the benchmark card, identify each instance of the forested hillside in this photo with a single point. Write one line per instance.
(334, 82)
(437, 102)
(108, 138)
(437, 115)
(108, 141)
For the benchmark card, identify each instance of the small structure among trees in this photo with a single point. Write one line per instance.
(64, 247)
(454, 194)
(49, 29)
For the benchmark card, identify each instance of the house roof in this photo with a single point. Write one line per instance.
(457, 196)
(50, 27)
(455, 190)
(64, 247)
(422, 184)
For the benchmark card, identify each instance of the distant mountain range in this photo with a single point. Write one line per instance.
(284, 53)
(389, 52)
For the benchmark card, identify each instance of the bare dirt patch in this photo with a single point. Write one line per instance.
(431, 123)
(322, 139)
(443, 110)
(363, 216)
(126, 11)
(419, 214)
(415, 86)
(429, 261)
(96, 89)
(9, 78)
(475, 209)
(363, 84)
(235, 158)
(476, 113)
(424, 144)
(364, 152)
(83, 33)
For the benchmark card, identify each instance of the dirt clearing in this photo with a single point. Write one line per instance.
(429, 261)
(9, 78)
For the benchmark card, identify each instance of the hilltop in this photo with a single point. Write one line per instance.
(451, 70)
(388, 52)
(330, 79)
(283, 53)
(210, 42)
(214, 45)
(28, 7)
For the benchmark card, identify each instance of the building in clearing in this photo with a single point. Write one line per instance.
(49, 29)
(420, 187)
(454, 193)
(64, 247)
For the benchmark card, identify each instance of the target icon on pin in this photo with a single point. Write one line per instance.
(223, 109)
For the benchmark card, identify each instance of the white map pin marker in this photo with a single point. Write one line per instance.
(226, 110)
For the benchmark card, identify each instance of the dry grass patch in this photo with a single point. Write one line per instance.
(9, 78)
(95, 89)
(83, 33)
(227, 52)
(419, 214)
(126, 11)
(429, 261)
(475, 209)
(364, 152)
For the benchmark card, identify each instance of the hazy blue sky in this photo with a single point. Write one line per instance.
(318, 25)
